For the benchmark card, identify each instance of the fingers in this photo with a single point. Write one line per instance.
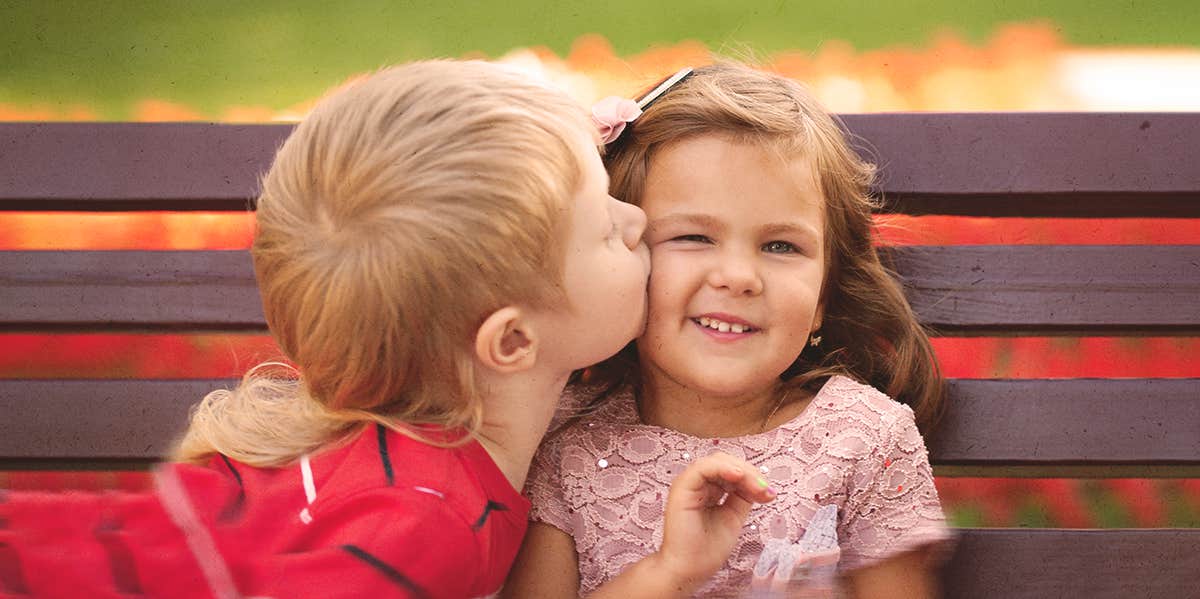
(706, 511)
(732, 477)
(739, 506)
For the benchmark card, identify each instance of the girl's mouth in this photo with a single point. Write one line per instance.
(722, 326)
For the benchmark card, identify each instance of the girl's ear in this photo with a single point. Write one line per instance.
(506, 342)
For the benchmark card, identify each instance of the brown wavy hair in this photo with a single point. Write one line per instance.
(869, 332)
(399, 214)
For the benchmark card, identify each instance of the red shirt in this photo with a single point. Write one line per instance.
(383, 516)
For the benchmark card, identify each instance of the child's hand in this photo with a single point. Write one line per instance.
(700, 529)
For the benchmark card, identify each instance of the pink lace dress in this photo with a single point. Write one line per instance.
(604, 480)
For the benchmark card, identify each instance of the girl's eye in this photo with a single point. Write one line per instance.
(779, 247)
(692, 238)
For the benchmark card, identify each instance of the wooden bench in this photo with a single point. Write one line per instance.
(1027, 165)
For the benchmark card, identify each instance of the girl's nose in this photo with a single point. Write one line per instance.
(737, 273)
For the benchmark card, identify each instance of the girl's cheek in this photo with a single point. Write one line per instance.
(658, 263)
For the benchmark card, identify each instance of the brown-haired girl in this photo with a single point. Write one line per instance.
(774, 334)
(437, 252)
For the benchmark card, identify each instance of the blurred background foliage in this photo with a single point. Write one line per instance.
(209, 55)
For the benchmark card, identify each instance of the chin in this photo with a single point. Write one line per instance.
(723, 386)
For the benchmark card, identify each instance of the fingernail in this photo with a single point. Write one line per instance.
(771, 492)
(762, 482)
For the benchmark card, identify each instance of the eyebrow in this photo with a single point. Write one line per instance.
(702, 220)
(802, 230)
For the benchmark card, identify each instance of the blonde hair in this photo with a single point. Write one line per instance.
(398, 215)
(868, 330)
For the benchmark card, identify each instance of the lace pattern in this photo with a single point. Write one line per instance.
(604, 480)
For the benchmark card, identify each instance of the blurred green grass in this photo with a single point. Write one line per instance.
(273, 53)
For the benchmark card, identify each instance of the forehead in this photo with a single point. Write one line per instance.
(745, 179)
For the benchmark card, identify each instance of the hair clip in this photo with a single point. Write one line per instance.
(649, 97)
(610, 116)
(613, 113)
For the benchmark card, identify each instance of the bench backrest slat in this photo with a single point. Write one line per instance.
(1067, 421)
(129, 290)
(960, 290)
(1054, 289)
(1036, 564)
(70, 422)
(133, 166)
(1027, 164)
(1036, 164)
(990, 423)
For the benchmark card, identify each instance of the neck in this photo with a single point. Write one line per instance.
(669, 404)
(517, 411)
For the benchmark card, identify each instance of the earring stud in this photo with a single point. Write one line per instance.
(814, 340)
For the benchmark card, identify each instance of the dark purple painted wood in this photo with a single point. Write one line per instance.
(1094, 564)
(1057, 205)
(122, 290)
(1070, 421)
(957, 290)
(1053, 289)
(1035, 164)
(999, 423)
(89, 419)
(133, 166)
(1073, 164)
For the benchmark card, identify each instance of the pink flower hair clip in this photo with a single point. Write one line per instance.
(613, 113)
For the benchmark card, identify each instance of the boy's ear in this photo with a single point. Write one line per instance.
(506, 342)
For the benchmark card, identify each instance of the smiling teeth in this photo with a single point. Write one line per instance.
(722, 326)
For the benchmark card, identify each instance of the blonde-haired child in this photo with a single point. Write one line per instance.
(436, 253)
(773, 334)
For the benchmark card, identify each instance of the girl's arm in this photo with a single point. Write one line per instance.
(546, 565)
(899, 511)
(906, 576)
(698, 533)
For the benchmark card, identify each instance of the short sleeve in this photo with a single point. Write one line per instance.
(893, 507)
(544, 487)
(384, 544)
